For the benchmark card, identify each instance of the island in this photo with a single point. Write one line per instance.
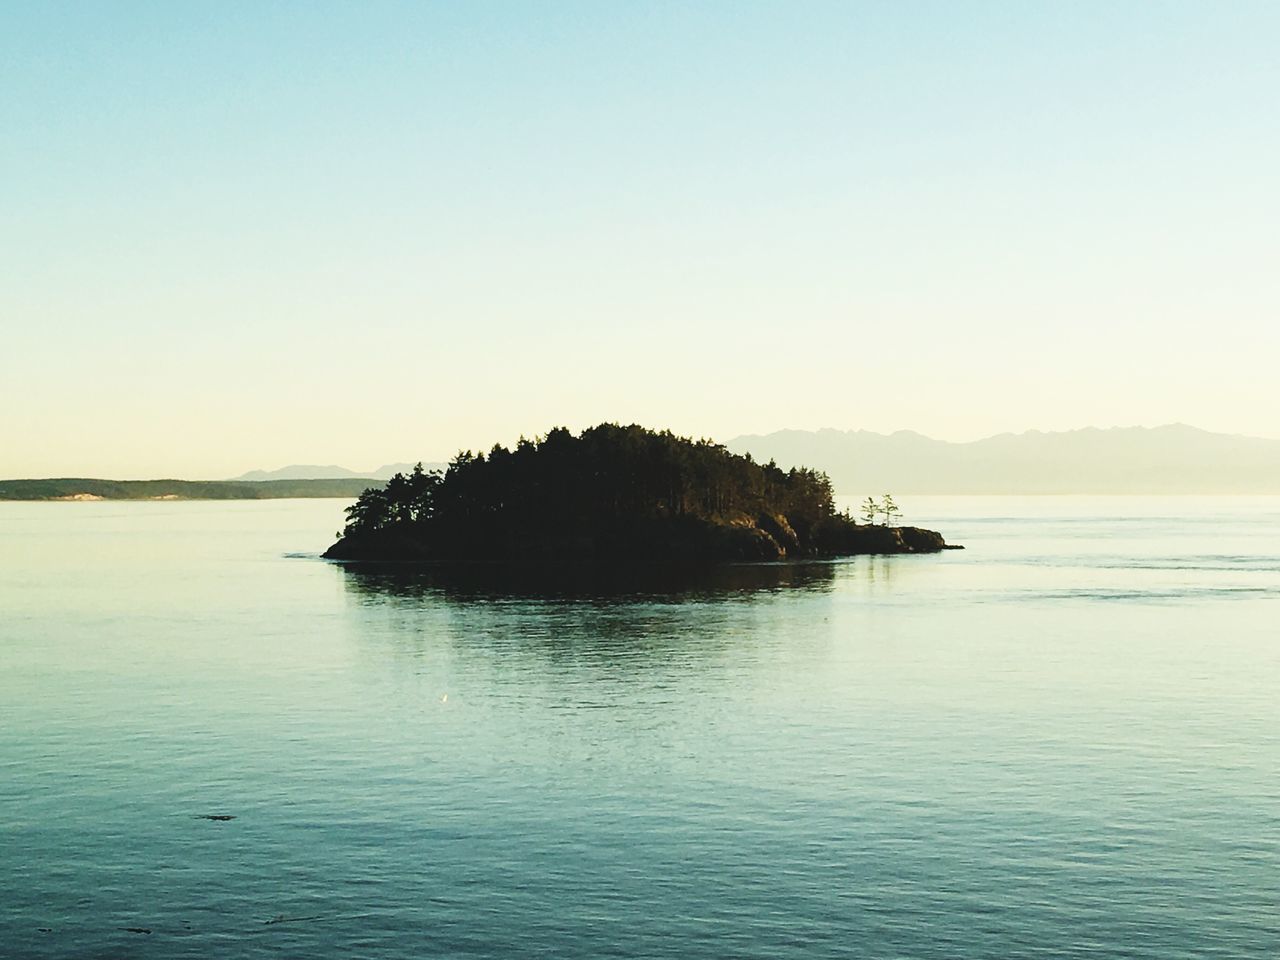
(611, 496)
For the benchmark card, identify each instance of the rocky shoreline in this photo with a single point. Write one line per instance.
(676, 543)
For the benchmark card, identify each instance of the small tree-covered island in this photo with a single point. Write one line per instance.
(611, 496)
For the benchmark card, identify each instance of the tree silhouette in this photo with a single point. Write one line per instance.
(889, 509)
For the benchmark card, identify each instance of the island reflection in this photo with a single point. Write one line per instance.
(581, 627)
(464, 584)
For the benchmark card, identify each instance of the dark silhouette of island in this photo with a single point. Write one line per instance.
(611, 496)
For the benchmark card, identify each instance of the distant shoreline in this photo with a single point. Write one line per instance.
(82, 490)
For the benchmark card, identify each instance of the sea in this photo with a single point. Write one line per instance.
(1060, 742)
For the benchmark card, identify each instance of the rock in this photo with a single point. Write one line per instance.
(777, 527)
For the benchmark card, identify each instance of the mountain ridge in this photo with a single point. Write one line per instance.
(304, 471)
(1171, 458)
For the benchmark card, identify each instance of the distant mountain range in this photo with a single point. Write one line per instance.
(1169, 459)
(331, 472)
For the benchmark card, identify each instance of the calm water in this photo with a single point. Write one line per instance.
(1062, 742)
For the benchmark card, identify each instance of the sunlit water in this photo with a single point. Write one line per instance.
(1061, 742)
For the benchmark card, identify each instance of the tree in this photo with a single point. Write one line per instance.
(369, 512)
(421, 492)
(870, 509)
(889, 509)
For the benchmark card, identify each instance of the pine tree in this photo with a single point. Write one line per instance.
(889, 509)
(870, 509)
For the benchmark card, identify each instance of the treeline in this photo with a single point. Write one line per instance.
(71, 488)
(608, 481)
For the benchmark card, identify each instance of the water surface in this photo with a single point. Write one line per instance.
(1061, 742)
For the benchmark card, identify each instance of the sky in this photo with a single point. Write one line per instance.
(241, 235)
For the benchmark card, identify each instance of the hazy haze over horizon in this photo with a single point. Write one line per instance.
(240, 237)
(1169, 459)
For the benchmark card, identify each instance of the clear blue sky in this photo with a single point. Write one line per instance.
(239, 235)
